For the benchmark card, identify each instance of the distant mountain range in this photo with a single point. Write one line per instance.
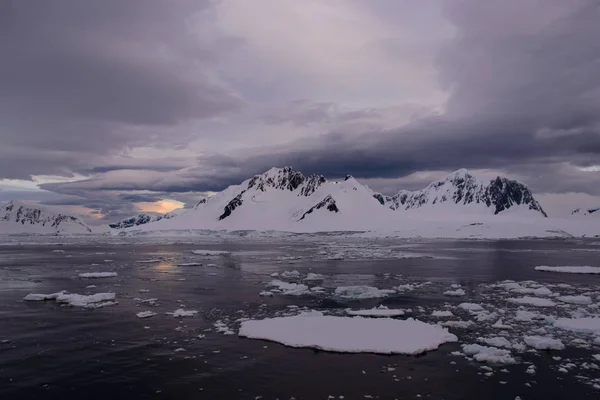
(17, 217)
(283, 199)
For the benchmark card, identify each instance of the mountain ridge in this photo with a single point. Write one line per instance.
(16, 217)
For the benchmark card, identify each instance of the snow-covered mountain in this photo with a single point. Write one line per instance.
(140, 219)
(22, 218)
(284, 199)
(461, 190)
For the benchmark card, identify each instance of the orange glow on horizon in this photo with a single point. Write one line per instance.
(161, 207)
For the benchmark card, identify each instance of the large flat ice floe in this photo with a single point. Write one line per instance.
(532, 301)
(579, 325)
(349, 334)
(584, 269)
(97, 300)
(361, 292)
(98, 275)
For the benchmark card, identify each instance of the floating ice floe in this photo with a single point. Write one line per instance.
(148, 261)
(584, 269)
(499, 325)
(190, 264)
(266, 293)
(442, 314)
(470, 307)
(182, 313)
(58, 251)
(290, 289)
(97, 300)
(314, 277)
(581, 300)
(290, 274)
(490, 355)
(210, 252)
(98, 274)
(456, 293)
(457, 324)
(579, 325)
(145, 314)
(496, 341)
(221, 327)
(532, 301)
(381, 311)
(349, 334)
(361, 292)
(543, 343)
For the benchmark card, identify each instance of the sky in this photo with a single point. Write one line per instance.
(110, 108)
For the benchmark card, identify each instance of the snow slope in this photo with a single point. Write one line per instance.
(461, 189)
(16, 218)
(282, 199)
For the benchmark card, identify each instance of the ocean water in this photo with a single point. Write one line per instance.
(53, 351)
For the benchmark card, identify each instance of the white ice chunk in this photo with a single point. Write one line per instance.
(381, 311)
(442, 314)
(291, 289)
(579, 325)
(456, 293)
(361, 292)
(470, 307)
(145, 314)
(457, 324)
(90, 301)
(290, 274)
(314, 277)
(349, 334)
(532, 301)
(486, 354)
(42, 297)
(98, 274)
(582, 300)
(543, 343)
(570, 269)
(497, 341)
(500, 325)
(180, 312)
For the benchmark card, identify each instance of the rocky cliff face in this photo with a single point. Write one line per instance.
(462, 188)
(31, 219)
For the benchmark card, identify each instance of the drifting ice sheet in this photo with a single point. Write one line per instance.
(349, 334)
(579, 325)
(97, 300)
(543, 343)
(98, 275)
(532, 301)
(361, 292)
(584, 269)
(381, 311)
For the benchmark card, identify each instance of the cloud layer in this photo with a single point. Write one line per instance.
(151, 99)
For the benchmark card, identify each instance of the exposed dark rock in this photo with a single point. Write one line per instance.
(232, 205)
(327, 202)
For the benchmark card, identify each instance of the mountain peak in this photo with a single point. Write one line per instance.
(286, 178)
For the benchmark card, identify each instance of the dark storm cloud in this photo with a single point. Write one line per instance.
(525, 89)
(76, 74)
(523, 78)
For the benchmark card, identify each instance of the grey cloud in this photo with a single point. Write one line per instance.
(82, 77)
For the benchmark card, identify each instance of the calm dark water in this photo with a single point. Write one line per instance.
(48, 351)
